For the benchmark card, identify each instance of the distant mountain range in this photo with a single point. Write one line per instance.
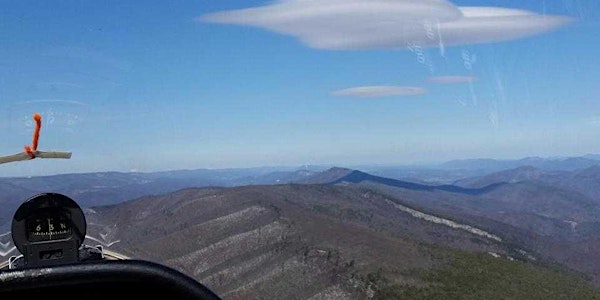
(585, 181)
(495, 195)
(449, 172)
(93, 189)
(547, 164)
(257, 233)
(466, 177)
(526, 173)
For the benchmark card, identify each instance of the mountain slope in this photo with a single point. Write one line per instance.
(559, 224)
(586, 181)
(301, 242)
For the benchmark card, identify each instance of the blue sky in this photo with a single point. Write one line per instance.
(131, 85)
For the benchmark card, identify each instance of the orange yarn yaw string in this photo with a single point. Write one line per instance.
(30, 150)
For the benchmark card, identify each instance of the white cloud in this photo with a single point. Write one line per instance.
(380, 91)
(389, 24)
(451, 79)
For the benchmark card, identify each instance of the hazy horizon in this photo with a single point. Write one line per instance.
(422, 165)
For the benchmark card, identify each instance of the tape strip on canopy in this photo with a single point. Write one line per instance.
(31, 152)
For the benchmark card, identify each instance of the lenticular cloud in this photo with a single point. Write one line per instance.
(451, 79)
(380, 91)
(389, 24)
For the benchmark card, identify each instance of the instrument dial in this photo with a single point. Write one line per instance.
(49, 226)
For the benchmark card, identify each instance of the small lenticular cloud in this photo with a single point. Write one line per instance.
(451, 79)
(380, 91)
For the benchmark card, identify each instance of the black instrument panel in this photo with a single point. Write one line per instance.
(49, 229)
